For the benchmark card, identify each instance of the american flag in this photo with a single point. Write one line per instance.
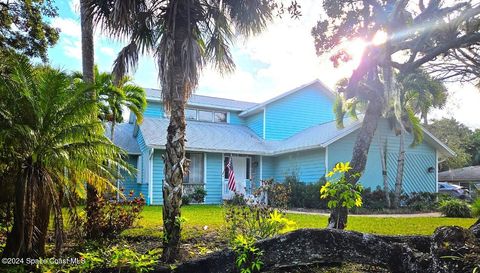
(231, 175)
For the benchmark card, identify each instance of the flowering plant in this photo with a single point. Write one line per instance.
(339, 192)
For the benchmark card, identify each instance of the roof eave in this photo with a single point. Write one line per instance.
(206, 105)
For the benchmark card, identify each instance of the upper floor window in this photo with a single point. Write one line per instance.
(220, 117)
(205, 115)
(191, 114)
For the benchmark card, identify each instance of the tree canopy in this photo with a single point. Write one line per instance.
(24, 27)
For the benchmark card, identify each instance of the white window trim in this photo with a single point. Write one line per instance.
(150, 182)
(139, 169)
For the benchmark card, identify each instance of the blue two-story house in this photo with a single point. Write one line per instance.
(291, 134)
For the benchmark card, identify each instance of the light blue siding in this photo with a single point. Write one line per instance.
(129, 182)
(154, 110)
(268, 165)
(235, 119)
(418, 160)
(308, 166)
(255, 122)
(158, 177)
(214, 178)
(297, 112)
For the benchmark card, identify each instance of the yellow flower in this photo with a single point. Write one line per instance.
(358, 202)
(324, 188)
(330, 174)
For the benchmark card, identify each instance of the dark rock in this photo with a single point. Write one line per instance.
(454, 250)
(398, 254)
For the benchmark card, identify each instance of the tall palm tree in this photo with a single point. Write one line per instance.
(183, 36)
(88, 53)
(52, 145)
(115, 96)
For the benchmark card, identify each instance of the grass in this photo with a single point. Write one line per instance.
(196, 217)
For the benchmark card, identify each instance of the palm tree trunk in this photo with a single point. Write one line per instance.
(88, 77)
(338, 216)
(400, 167)
(383, 158)
(15, 246)
(87, 43)
(175, 167)
(112, 128)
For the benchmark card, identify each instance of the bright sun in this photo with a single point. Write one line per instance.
(355, 48)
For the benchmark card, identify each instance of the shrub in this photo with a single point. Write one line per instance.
(198, 195)
(476, 208)
(257, 222)
(421, 201)
(374, 200)
(305, 195)
(117, 216)
(186, 199)
(455, 208)
(278, 193)
(236, 200)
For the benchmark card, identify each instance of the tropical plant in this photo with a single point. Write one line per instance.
(114, 97)
(390, 28)
(184, 36)
(455, 208)
(52, 145)
(476, 208)
(340, 193)
(248, 258)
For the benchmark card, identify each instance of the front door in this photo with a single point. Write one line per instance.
(240, 168)
(239, 164)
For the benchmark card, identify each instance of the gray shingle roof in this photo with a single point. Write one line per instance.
(207, 101)
(205, 136)
(471, 173)
(123, 137)
(229, 138)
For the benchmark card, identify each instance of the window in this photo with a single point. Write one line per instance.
(196, 171)
(225, 169)
(191, 114)
(205, 115)
(247, 175)
(220, 117)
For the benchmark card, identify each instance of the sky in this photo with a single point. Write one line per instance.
(273, 62)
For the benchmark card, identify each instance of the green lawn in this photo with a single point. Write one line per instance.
(198, 216)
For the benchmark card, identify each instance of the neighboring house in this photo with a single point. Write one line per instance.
(294, 133)
(468, 177)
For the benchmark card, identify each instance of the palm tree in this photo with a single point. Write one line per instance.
(183, 36)
(114, 97)
(419, 93)
(86, 23)
(52, 145)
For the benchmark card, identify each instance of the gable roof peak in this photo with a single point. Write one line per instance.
(257, 108)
